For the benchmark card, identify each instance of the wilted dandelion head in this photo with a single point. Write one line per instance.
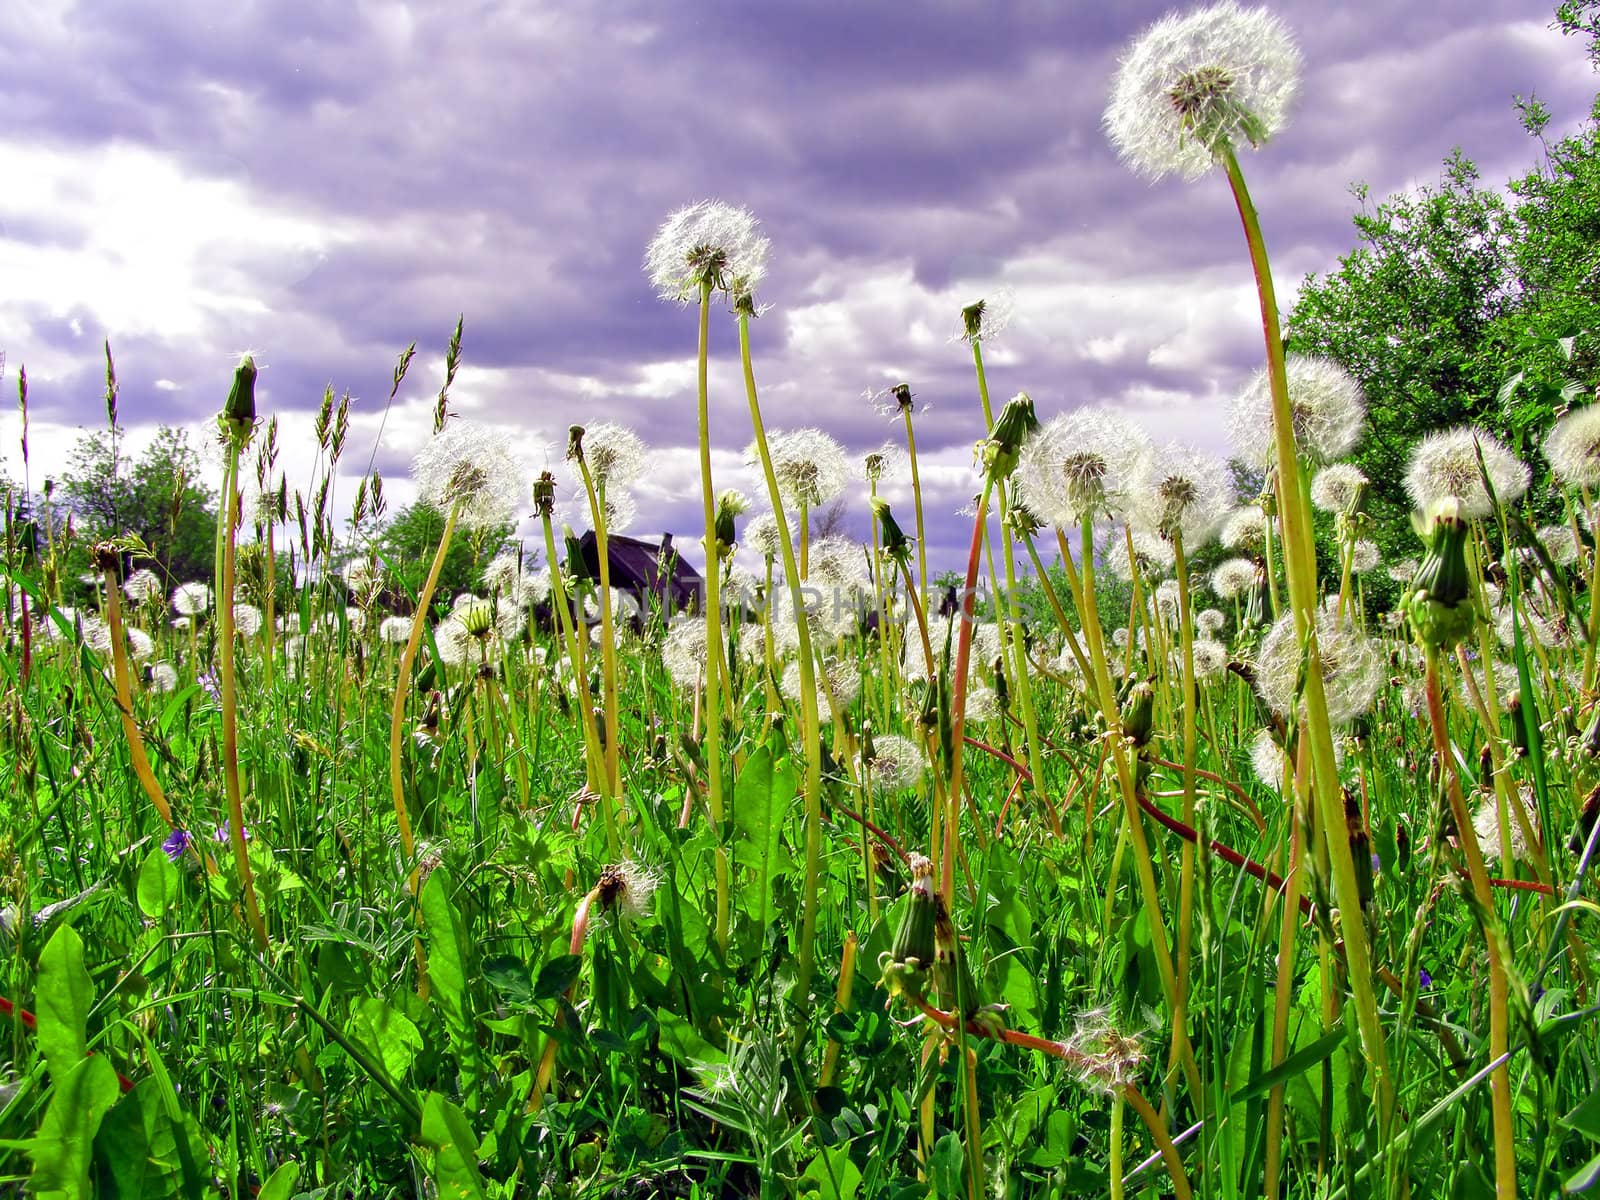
(708, 244)
(896, 763)
(627, 888)
(1100, 1057)
(141, 586)
(615, 454)
(470, 469)
(191, 599)
(1446, 464)
(1337, 487)
(883, 463)
(1364, 556)
(1325, 405)
(1245, 529)
(985, 320)
(1081, 464)
(1351, 667)
(809, 465)
(1184, 492)
(1573, 448)
(1192, 85)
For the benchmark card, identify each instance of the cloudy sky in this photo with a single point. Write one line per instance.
(325, 183)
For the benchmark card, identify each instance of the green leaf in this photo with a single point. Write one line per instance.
(557, 975)
(280, 1184)
(447, 972)
(1585, 1118)
(389, 1035)
(65, 993)
(508, 976)
(1584, 1179)
(1300, 1061)
(763, 794)
(834, 1175)
(142, 1151)
(949, 1166)
(455, 1162)
(158, 883)
(62, 1147)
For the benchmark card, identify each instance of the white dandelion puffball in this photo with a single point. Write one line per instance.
(1337, 487)
(1326, 409)
(1446, 465)
(683, 651)
(1209, 622)
(706, 243)
(1082, 464)
(1183, 492)
(470, 469)
(615, 454)
(1351, 668)
(1245, 529)
(1364, 556)
(809, 465)
(191, 599)
(141, 586)
(896, 763)
(247, 620)
(1573, 448)
(394, 629)
(1192, 83)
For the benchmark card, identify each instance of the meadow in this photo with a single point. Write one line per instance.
(1182, 844)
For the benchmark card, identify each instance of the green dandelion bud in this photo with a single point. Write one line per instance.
(952, 973)
(1360, 848)
(241, 403)
(1016, 425)
(1439, 605)
(907, 964)
(896, 545)
(1138, 713)
(731, 504)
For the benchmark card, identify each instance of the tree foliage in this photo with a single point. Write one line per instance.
(1464, 304)
(158, 497)
(408, 543)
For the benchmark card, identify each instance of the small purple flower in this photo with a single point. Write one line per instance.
(208, 681)
(177, 842)
(1424, 978)
(223, 833)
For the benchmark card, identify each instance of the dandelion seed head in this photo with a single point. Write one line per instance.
(897, 762)
(1445, 464)
(614, 454)
(191, 599)
(707, 243)
(163, 677)
(683, 651)
(1151, 556)
(628, 888)
(247, 620)
(809, 465)
(1326, 408)
(142, 586)
(1184, 492)
(1560, 544)
(1404, 571)
(1245, 529)
(1486, 825)
(1190, 83)
(1269, 762)
(985, 320)
(140, 644)
(470, 468)
(1572, 448)
(1210, 621)
(1100, 1057)
(1337, 487)
(1364, 556)
(394, 629)
(1210, 660)
(1351, 668)
(761, 535)
(1082, 464)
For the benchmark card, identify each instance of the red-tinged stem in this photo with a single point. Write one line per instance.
(31, 1024)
